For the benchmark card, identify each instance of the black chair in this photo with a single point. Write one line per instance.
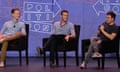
(72, 46)
(106, 47)
(20, 45)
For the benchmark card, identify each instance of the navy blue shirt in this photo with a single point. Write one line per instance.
(109, 29)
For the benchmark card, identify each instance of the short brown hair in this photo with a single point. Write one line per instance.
(112, 14)
(14, 9)
(66, 11)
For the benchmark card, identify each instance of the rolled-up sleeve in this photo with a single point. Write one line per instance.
(53, 29)
(72, 29)
(23, 30)
(3, 29)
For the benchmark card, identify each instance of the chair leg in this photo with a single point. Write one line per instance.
(82, 51)
(27, 59)
(64, 58)
(103, 61)
(20, 58)
(77, 59)
(44, 59)
(57, 59)
(83, 56)
(118, 60)
(98, 61)
(5, 62)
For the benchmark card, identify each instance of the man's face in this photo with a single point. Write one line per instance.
(16, 14)
(64, 16)
(109, 19)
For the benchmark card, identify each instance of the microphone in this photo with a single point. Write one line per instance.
(14, 26)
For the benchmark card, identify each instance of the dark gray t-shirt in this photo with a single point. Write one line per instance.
(109, 29)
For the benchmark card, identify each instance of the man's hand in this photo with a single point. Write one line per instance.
(2, 36)
(67, 38)
(102, 28)
(110, 36)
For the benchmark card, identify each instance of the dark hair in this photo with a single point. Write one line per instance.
(66, 11)
(112, 14)
(14, 9)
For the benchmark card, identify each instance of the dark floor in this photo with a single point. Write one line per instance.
(36, 65)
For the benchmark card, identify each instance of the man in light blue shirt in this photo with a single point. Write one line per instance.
(62, 31)
(11, 30)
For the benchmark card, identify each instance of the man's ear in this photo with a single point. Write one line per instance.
(113, 19)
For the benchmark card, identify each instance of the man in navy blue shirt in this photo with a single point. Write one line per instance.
(106, 32)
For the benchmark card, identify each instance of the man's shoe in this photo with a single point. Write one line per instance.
(52, 64)
(39, 51)
(97, 55)
(83, 66)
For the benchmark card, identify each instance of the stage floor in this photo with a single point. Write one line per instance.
(36, 65)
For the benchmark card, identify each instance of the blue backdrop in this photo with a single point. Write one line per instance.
(41, 14)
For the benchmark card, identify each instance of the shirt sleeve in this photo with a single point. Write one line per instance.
(72, 29)
(115, 30)
(23, 30)
(3, 28)
(53, 29)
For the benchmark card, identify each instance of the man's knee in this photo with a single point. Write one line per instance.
(92, 39)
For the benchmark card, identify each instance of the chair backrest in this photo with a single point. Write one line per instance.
(27, 29)
(21, 43)
(77, 31)
(27, 36)
(73, 45)
(118, 34)
(111, 46)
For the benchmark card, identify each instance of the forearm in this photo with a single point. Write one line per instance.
(71, 36)
(110, 36)
(19, 34)
(14, 36)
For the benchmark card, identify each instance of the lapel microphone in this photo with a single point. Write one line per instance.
(14, 26)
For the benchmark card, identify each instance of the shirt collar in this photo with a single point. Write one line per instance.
(64, 24)
(14, 22)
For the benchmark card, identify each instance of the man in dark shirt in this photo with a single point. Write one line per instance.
(106, 32)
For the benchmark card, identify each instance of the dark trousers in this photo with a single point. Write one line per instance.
(52, 43)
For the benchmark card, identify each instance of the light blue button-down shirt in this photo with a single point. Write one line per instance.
(66, 29)
(12, 27)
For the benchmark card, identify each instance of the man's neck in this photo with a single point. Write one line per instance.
(15, 20)
(112, 23)
(63, 22)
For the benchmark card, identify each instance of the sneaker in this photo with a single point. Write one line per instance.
(39, 51)
(83, 66)
(97, 55)
(52, 64)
